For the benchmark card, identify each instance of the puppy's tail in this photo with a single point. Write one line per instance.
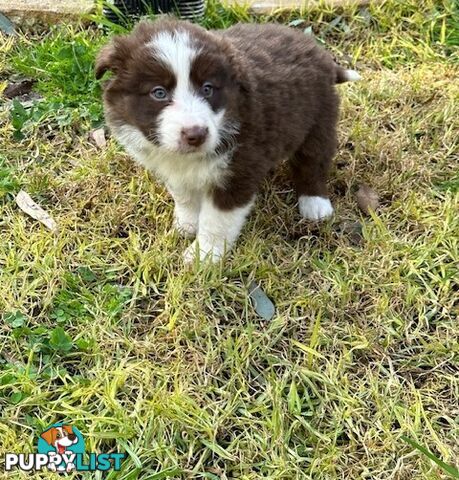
(343, 75)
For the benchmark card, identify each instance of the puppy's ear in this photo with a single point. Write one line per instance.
(114, 55)
(49, 436)
(105, 60)
(68, 429)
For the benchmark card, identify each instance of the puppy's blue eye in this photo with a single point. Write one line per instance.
(207, 90)
(159, 93)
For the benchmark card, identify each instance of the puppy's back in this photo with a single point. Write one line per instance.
(281, 52)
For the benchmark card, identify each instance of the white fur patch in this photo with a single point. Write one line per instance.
(352, 76)
(186, 212)
(315, 208)
(188, 109)
(190, 172)
(174, 49)
(217, 231)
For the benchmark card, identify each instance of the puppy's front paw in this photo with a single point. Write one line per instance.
(186, 222)
(204, 251)
(187, 229)
(315, 208)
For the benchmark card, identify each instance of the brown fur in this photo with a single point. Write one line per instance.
(50, 435)
(275, 81)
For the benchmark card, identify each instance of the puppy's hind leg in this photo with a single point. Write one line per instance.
(310, 167)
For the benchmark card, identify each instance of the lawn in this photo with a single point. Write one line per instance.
(103, 325)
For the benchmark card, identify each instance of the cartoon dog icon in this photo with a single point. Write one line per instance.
(60, 438)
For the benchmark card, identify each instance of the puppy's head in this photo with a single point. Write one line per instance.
(175, 82)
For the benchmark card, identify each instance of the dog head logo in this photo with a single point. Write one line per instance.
(61, 441)
(60, 438)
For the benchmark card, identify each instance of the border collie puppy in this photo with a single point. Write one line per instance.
(212, 112)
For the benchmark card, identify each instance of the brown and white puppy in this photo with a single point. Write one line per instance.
(212, 112)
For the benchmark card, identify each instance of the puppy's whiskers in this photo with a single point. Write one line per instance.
(228, 137)
(153, 137)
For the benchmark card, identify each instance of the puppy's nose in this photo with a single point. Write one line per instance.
(194, 136)
(71, 436)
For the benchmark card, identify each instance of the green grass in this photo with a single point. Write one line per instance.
(103, 325)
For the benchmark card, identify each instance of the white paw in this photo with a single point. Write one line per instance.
(315, 208)
(207, 251)
(186, 229)
(185, 223)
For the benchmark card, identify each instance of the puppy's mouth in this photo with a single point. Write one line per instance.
(180, 149)
(186, 149)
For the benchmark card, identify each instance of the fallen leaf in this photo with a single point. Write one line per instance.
(98, 137)
(296, 23)
(6, 25)
(365, 14)
(367, 199)
(15, 89)
(27, 205)
(345, 27)
(261, 303)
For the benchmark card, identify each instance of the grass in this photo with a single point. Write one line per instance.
(104, 326)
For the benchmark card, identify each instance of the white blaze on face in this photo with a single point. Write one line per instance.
(188, 109)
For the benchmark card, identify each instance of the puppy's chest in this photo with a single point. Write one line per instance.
(184, 172)
(188, 172)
